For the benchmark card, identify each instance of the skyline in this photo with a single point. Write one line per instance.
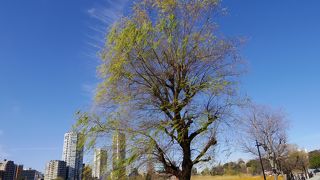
(48, 68)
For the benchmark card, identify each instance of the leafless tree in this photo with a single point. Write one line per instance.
(269, 128)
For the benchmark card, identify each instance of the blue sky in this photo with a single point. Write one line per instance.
(48, 66)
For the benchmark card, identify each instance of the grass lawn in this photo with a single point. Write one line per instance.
(232, 178)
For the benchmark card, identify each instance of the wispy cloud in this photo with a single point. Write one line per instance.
(109, 11)
(104, 14)
(35, 149)
(89, 89)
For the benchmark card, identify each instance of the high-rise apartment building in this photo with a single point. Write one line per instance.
(56, 169)
(73, 155)
(8, 170)
(99, 163)
(118, 155)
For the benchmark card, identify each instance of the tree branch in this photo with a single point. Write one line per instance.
(210, 143)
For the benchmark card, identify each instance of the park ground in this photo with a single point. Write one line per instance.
(317, 177)
(232, 178)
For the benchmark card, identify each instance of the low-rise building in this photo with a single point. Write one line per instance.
(30, 174)
(19, 169)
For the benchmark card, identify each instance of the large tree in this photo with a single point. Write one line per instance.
(269, 128)
(314, 159)
(174, 76)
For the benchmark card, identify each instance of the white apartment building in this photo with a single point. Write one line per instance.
(55, 169)
(73, 155)
(99, 163)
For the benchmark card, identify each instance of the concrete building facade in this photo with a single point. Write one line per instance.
(30, 174)
(8, 170)
(73, 155)
(118, 156)
(55, 169)
(99, 163)
(19, 169)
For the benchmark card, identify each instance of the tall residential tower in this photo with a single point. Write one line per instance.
(118, 156)
(73, 155)
(99, 163)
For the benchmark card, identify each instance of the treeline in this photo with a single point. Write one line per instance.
(296, 161)
(251, 167)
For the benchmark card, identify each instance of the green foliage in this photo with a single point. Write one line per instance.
(254, 167)
(314, 159)
(87, 173)
(140, 37)
(167, 67)
(231, 168)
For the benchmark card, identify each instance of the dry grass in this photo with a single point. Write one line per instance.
(232, 178)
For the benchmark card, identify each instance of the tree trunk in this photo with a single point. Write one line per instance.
(186, 173)
(274, 168)
(186, 163)
(306, 172)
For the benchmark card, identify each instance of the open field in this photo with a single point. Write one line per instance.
(232, 178)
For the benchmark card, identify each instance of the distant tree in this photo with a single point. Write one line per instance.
(297, 160)
(242, 166)
(269, 128)
(254, 167)
(169, 69)
(314, 159)
(205, 172)
(217, 170)
(302, 162)
(194, 171)
(231, 168)
(241, 161)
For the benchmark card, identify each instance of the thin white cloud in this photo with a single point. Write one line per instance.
(35, 149)
(89, 89)
(109, 11)
(104, 14)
